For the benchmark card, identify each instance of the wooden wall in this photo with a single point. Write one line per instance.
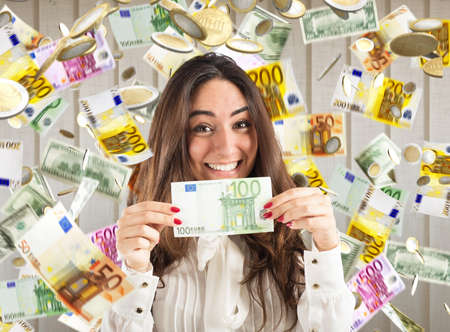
(432, 123)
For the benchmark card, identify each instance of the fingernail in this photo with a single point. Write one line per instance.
(280, 218)
(267, 215)
(177, 221)
(289, 224)
(268, 205)
(174, 209)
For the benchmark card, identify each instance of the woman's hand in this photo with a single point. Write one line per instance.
(139, 229)
(306, 208)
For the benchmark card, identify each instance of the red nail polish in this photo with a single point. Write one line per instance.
(177, 221)
(267, 215)
(268, 205)
(174, 209)
(289, 224)
(280, 218)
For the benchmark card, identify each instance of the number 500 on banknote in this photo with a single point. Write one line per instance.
(222, 207)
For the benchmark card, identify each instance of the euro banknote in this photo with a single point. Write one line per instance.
(435, 168)
(84, 279)
(402, 196)
(16, 326)
(443, 37)
(433, 201)
(305, 172)
(403, 322)
(391, 26)
(223, 207)
(272, 41)
(28, 298)
(436, 267)
(374, 285)
(351, 249)
(321, 23)
(11, 153)
(105, 239)
(65, 162)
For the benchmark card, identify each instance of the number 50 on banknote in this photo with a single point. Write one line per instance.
(224, 207)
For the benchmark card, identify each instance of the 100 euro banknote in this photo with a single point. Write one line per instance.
(84, 279)
(223, 207)
(11, 151)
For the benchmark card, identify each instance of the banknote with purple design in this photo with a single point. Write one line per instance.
(105, 239)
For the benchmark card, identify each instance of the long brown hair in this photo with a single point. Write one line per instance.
(274, 253)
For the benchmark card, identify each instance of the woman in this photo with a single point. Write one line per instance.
(211, 123)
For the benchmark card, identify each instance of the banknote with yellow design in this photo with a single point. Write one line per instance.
(304, 172)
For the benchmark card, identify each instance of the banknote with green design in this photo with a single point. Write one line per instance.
(403, 322)
(272, 41)
(402, 196)
(38, 201)
(435, 270)
(351, 249)
(28, 298)
(222, 207)
(321, 23)
(65, 162)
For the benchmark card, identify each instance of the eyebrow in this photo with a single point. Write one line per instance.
(209, 113)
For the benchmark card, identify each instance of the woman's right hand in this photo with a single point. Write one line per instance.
(139, 229)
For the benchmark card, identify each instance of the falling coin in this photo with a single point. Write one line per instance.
(282, 5)
(409, 88)
(5, 18)
(263, 27)
(358, 300)
(412, 245)
(296, 10)
(242, 6)
(117, 55)
(414, 44)
(328, 191)
(447, 308)
(75, 86)
(117, 183)
(414, 284)
(434, 67)
(85, 160)
(425, 25)
(82, 120)
(364, 44)
(45, 41)
(19, 262)
(66, 191)
(423, 180)
(374, 170)
(328, 68)
(128, 73)
(27, 175)
(429, 156)
(412, 153)
(244, 45)
(345, 248)
(332, 145)
(378, 80)
(444, 180)
(66, 133)
(139, 118)
(63, 29)
(300, 180)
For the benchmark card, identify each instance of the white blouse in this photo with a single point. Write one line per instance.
(202, 293)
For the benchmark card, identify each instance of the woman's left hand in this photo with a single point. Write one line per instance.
(306, 208)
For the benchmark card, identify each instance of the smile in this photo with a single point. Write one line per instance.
(224, 167)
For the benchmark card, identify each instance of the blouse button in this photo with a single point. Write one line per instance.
(139, 310)
(316, 286)
(314, 261)
(144, 284)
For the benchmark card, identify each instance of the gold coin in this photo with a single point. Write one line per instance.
(27, 175)
(153, 2)
(76, 48)
(412, 153)
(242, 6)
(171, 42)
(15, 122)
(244, 45)
(332, 145)
(263, 27)
(374, 170)
(89, 20)
(409, 88)
(217, 24)
(282, 5)
(188, 24)
(364, 44)
(429, 156)
(112, 10)
(128, 73)
(425, 25)
(395, 111)
(412, 244)
(118, 54)
(139, 118)
(19, 262)
(45, 41)
(66, 133)
(414, 44)
(5, 18)
(124, 2)
(414, 284)
(170, 5)
(346, 5)
(434, 67)
(447, 308)
(296, 10)
(300, 180)
(66, 191)
(103, 30)
(358, 300)
(345, 248)
(63, 29)
(138, 96)
(423, 180)
(444, 180)
(14, 98)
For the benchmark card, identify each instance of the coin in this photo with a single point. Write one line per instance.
(395, 111)
(332, 145)
(347, 5)
(76, 48)
(423, 180)
(170, 5)
(128, 73)
(347, 85)
(444, 180)
(124, 2)
(412, 153)
(19, 262)
(409, 88)
(45, 41)
(434, 67)
(282, 5)
(378, 81)
(244, 45)
(118, 54)
(425, 25)
(171, 42)
(103, 30)
(242, 6)
(414, 44)
(63, 29)
(139, 118)
(412, 244)
(328, 68)
(414, 284)
(27, 175)
(393, 155)
(364, 44)
(296, 10)
(66, 133)
(263, 27)
(374, 170)
(138, 96)
(429, 156)
(5, 18)
(188, 24)
(447, 308)
(82, 120)
(218, 25)
(358, 300)
(15, 122)
(89, 20)
(345, 248)
(67, 191)
(300, 180)
(14, 98)
(85, 160)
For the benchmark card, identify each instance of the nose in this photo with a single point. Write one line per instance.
(226, 143)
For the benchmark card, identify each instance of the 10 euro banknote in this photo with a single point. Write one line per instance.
(224, 207)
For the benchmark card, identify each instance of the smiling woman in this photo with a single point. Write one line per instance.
(211, 123)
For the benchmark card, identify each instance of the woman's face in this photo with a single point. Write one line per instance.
(222, 138)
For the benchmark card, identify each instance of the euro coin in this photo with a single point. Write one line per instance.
(395, 111)
(347, 85)
(409, 88)
(414, 44)
(66, 133)
(63, 29)
(45, 41)
(170, 5)
(14, 98)
(358, 300)
(139, 118)
(27, 175)
(429, 156)
(76, 48)
(425, 25)
(89, 20)
(218, 26)
(447, 308)
(412, 244)
(374, 170)
(434, 67)
(300, 180)
(242, 6)
(244, 45)
(128, 73)
(263, 27)
(172, 42)
(67, 191)
(15, 122)
(82, 120)
(296, 10)
(423, 180)
(332, 145)
(188, 24)
(414, 284)
(364, 44)
(117, 55)
(345, 248)
(124, 2)
(412, 153)
(346, 5)
(138, 96)
(282, 5)
(444, 180)
(393, 156)
(5, 18)
(19, 262)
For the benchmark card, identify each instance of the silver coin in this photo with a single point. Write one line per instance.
(423, 180)
(282, 5)
(395, 112)
(428, 156)
(27, 175)
(300, 180)
(414, 284)
(263, 27)
(409, 88)
(444, 180)
(332, 145)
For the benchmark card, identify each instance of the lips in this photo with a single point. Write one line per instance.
(224, 167)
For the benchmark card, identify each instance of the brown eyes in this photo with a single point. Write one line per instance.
(206, 129)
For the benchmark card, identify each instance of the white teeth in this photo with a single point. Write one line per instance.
(224, 167)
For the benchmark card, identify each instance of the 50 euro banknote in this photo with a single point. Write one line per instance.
(379, 98)
(222, 207)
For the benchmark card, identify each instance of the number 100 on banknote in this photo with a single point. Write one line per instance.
(222, 207)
